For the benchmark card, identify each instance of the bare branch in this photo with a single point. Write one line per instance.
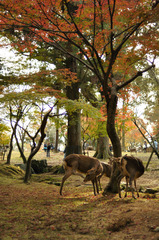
(138, 74)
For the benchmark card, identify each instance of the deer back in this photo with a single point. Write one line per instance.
(81, 162)
(132, 166)
(93, 173)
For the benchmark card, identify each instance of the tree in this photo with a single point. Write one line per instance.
(4, 134)
(107, 34)
(4, 138)
(14, 124)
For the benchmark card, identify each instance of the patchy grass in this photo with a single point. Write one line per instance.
(36, 211)
(12, 171)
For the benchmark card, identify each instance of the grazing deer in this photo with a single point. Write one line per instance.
(133, 150)
(107, 169)
(131, 168)
(77, 164)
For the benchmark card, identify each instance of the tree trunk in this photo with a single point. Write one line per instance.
(57, 131)
(20, 149)
(111, 130)
(74, 134)
(123, 136)
(37, 147)
(14, 128)
(10, 149)
(74, 118)
(102, 148)
(111, 111)
(113, 183)
(56, 140)
(28, 170)
(123, 129)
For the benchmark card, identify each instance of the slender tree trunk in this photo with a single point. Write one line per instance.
(10, 149)
(57, 131)
(20, 149)
(14, 128)
(123, 129)
(123, 136)
(37, 147)
(56, 140)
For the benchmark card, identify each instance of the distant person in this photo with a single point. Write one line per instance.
(52, 147)
(145, 147)
(45, 147)
(48, 150)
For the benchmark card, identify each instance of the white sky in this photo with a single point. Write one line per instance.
(12, 61)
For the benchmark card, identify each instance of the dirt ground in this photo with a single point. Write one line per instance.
(36, 211)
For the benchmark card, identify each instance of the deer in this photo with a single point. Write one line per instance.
(131, 168)
(77, 164)
(133, 150)
(91, 175)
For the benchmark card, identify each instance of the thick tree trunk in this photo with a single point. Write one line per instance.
(28, 170)
(74, 134)
(113, 183)
(74, 122)
(111, 130)
(102, 148)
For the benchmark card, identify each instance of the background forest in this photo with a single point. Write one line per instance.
(83, 74)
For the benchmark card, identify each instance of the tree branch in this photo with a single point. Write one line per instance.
(151, 144)
(138, 74)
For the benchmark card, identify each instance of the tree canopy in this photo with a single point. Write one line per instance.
(116, 41)
(109, 37)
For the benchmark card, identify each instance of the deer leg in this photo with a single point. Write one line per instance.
(96, 182)
(126, 190)
(119, 180)
(136, 187)
(98, 179)
(67, 175)
(130, 182)
(93, 182)
(95, 186)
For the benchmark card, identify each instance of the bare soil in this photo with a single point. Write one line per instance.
(36, 211)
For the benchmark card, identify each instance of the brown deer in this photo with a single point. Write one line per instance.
(131, 168)
(77, 164)
(107, 169)
(133, 150)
